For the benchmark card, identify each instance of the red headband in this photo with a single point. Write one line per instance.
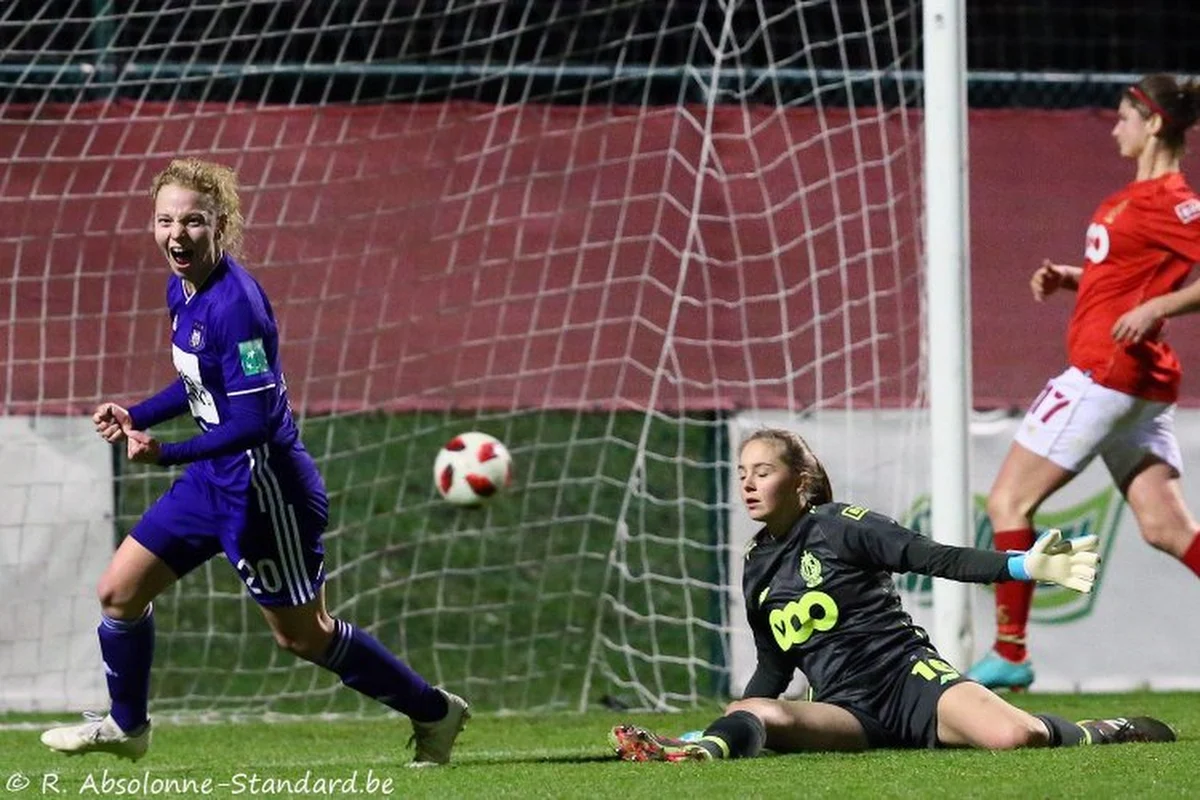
(1137, 94)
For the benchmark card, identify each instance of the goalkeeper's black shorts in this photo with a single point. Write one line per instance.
(897, 704)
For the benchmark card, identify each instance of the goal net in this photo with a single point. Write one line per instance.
(612, 234)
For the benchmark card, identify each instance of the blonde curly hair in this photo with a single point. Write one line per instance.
(216, 181)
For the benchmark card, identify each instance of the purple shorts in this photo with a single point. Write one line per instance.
(275, 545)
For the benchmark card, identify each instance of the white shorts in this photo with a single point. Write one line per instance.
(1074, 420)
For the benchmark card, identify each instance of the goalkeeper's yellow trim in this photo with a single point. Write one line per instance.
(719, 742)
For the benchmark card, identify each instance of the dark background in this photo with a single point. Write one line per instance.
(300, 48)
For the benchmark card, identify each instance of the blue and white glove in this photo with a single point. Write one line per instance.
(1052, 559)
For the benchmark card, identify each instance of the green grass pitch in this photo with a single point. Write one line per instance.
(215, 654)
(564, 755)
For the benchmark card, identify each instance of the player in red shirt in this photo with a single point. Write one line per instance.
(1117, 399)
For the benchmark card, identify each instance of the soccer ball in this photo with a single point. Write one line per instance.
(471, 468)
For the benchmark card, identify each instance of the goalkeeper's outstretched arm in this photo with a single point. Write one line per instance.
(879, 542)
(1052, 559)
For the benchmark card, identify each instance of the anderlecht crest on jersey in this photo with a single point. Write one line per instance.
(810, 570)
(196, 338)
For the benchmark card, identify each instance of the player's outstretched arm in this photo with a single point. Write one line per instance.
(874, 541)
(1052, 559)
(881, 543)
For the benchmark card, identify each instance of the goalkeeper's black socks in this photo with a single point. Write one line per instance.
(1063, 732)
(1117, 730)
(736, 735)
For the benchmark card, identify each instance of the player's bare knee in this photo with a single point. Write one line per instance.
(766, 710)
(1012, 736)
(741, 705)
(1171, 539)
(302, 645)
(309, 642)
(997, 506)
(1004, 504)
(1153, 535)
(118, 600)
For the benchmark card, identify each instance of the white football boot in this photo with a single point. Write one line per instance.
(435, 740)
(100, 734)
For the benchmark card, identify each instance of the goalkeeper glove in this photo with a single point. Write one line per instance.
(1052, 559)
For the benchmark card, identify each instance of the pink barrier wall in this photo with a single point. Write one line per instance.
(437, 255)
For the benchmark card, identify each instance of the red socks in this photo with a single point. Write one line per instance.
(1013, 598)
(1191, 559)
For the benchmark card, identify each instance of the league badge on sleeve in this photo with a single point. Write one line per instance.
(1188, 210)
(253, 357)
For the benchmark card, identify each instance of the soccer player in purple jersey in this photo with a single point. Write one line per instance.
(249, 488)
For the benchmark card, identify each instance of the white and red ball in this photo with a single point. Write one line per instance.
(472, 468)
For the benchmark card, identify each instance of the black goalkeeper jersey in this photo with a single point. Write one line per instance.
(822, 599)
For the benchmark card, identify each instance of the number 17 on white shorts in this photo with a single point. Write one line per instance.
(1074, 419)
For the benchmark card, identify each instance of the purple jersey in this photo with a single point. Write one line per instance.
(224, 343)
(249, 488)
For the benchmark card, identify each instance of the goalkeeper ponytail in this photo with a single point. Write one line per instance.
(814, 481)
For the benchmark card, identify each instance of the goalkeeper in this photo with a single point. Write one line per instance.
(820, 598)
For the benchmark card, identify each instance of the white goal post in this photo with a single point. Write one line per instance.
(947, 263)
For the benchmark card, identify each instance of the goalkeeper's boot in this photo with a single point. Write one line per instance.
(632, 743)
(435, 740)
(100, 734)
(996, 672)
(1121, 730)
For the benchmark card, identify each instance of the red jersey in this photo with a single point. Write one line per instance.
(1141, 244)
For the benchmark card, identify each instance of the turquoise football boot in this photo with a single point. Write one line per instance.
(996, 672)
